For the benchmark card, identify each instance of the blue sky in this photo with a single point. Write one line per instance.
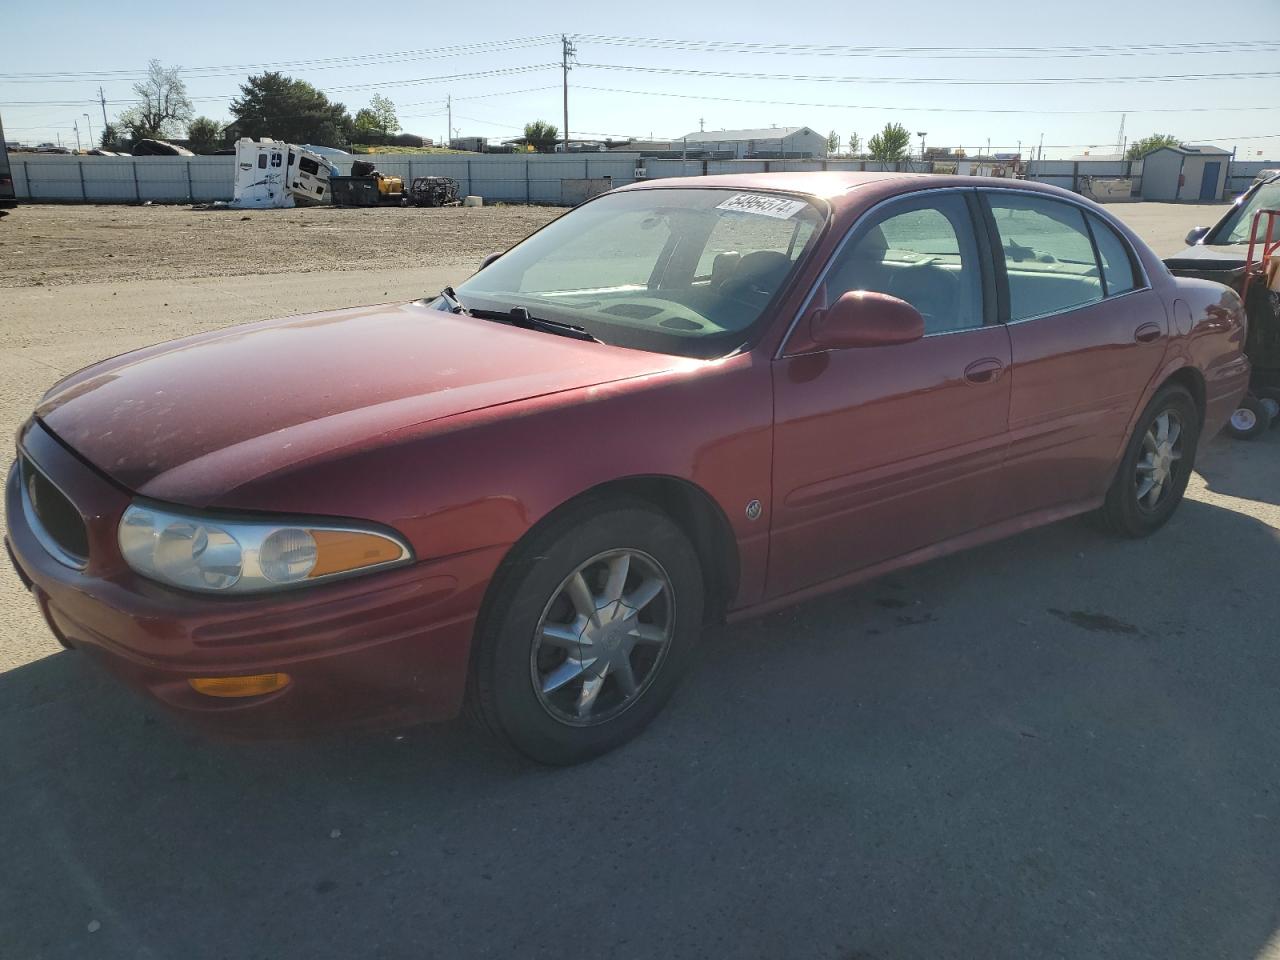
(610, 96)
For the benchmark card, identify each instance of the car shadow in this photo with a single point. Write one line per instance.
(1059, 745)
(1248, 469)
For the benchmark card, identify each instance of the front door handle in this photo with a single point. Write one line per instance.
(1147, 332)
(987, 370)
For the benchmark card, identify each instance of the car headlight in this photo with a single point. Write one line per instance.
(216, 555)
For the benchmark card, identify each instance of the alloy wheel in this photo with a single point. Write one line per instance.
(1159, 461)
(602, 637)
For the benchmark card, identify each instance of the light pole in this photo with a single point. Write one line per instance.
(89, 124)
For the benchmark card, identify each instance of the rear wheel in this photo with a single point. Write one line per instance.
(1157, 464)
(591, 626)
(1249, 420)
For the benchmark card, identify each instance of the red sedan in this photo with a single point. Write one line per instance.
(683, 401)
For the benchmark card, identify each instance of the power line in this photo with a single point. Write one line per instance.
(1224, 47)
(863, 106)
(958, 81)
(326, 63)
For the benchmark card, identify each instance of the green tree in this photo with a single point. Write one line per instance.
(366, 126)
(833, 142)
(273, 105)
(542, 136)
(163, 108)
(1140, 148)
(204, 135)
(111, 137)
(384, 112)
(890, 144)
(855, 144)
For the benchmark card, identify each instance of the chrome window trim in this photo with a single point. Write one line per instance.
(1091, 303)
(51, 546)
(835, 255)
(978, 189)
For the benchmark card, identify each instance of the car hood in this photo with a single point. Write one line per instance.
(211, 412)
(1205, 257)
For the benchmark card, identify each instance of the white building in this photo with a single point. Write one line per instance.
(1185, 172)
(769, 142)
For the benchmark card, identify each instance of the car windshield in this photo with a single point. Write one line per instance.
(1239, 222)
(682, 271)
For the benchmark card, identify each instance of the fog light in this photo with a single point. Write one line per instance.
(254, 685)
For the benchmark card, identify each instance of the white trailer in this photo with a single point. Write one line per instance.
(270, 173)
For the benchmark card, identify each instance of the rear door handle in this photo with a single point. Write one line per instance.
(1147, 332)
(986, 370)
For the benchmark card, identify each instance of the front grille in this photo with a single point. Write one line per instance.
(53, 517)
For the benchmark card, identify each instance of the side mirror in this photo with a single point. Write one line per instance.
(1195, 235)
(488, 260)
(861, 318)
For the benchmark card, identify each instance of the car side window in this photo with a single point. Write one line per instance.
(1048, 255)
(920, 250)
(1117, 265)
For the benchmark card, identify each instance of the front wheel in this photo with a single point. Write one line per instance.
(1153, 475)
(591, 625)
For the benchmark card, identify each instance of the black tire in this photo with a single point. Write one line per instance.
(1249, 421)
(1124, 512)
(1271, 400)
(502, 695)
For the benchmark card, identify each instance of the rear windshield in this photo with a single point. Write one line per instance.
(683, 271)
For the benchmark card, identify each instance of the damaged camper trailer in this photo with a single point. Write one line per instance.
(270, 173)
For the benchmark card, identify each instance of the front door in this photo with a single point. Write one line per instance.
(879, 451)
(1087, 337)
(1209, 180)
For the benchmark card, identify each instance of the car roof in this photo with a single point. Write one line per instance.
(844, 188)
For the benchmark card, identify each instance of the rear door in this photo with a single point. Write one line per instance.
(1087, 335)
(880, 451)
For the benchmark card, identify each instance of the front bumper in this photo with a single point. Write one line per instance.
(387, 649)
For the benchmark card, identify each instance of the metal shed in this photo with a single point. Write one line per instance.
(1185, 172)
(767, 142)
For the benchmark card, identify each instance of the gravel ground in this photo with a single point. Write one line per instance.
(54, 244)
(1056, 746)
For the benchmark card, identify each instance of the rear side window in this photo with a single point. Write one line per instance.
(1048, 255)
(1117, 266)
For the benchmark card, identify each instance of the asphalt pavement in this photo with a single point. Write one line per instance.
(1060, 745)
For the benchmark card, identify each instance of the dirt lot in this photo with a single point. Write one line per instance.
(55, 244)
(1060, 745)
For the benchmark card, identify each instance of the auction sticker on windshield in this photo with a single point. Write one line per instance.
(779, 207)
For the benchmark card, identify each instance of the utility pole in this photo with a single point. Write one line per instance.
(89, 124)
(76, 127)
(448, 140)
(567, 50)
(702, 126)
(102, 99)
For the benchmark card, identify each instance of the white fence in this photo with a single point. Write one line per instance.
(519, 178)
(522, 178)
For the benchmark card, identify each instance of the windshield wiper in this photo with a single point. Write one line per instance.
(455, 305)
(516, 317)
(520, 317)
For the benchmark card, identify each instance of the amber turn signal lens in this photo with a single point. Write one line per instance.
(338, 551)
(254, 685)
